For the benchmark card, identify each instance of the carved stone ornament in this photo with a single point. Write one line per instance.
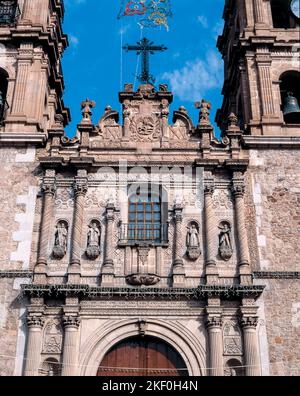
(213, 321)
(232, 339)
(61, 238)
(52, 338)
(249, 321)
(142, 279)
(225, 244)
(192, 241)
(145, 128)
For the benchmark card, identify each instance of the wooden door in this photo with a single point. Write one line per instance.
(142, 356)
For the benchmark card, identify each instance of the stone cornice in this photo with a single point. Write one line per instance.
(16, 274)
(276, 275)
(22, 138)
(135, 293)
(271, 141)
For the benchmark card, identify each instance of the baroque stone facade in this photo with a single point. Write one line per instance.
(142, 228)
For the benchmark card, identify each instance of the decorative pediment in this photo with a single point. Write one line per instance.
(109, 129)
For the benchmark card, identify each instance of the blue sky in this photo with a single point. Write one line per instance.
(94, 67)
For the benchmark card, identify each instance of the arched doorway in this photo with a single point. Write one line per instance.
(142, 356)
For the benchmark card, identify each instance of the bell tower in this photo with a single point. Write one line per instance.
(31, 81)
(260, 49)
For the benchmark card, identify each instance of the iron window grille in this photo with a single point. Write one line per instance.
(9, 12)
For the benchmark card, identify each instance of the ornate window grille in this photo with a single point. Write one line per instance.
(144, 221)
(9, 12)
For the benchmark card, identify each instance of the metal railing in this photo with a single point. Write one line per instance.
(135, 234)
(9, 12)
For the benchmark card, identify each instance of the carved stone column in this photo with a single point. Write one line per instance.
(165, 124)
(238, 190)
(24, 62)
(108, 264)
(259, 12)
(252, 360)
(178, 267)
(48, 189)
(264, 62)
(210, 230)
(215, 337)
(70, 351)
(34, 345)
(80, 189)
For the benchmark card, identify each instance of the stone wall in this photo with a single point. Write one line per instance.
(275, 178)
(18, 191)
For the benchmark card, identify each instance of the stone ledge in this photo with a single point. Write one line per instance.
(22, 138)
(276, 275)
(85, 291)
(271, 141)
(16, 274)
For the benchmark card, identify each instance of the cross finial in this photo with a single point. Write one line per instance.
(145, 47)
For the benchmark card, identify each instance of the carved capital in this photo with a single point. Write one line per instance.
(209, 187)
(35, 321)
(249, 322)
(238, 188)
(80, 188)
(71, 321)
(213, 322)
(49, 187)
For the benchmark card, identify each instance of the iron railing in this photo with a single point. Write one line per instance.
(135, 234)
(9, 12)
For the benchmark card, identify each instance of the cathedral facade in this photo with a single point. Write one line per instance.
(143, 246)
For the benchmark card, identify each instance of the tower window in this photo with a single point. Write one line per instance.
(290, 96)
(3, 92)
(282, 14)
(9, 12)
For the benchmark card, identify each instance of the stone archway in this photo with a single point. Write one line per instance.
(174, 334)
(142, 356)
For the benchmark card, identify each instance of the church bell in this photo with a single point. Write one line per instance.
(291, 109)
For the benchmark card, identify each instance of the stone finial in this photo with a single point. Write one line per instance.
(163, 87)
(204, 107)
(232, 122)
(107, 109)
(86, 107)
(182, 109)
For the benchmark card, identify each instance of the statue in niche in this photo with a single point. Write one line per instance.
(225, 244)
(93, 240)
(61, 240)
(193, 242)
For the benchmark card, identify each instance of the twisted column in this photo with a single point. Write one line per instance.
(48, 189)
(80, 189)
(215, 337)
(252, 360)
(178, 267)
(34, 345)
(238, 190)
(211, 268)
(108, 264)
(70, 351)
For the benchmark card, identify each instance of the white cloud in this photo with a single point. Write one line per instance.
(203, 21)
(195, 78)
(73, 40)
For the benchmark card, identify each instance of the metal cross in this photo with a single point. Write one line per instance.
(144, 48)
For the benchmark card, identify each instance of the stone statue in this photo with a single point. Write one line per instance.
(86, 107)
(61, 240)
(205, 108)
(225, 245)
(193, 242)
(93, 241)
(192, 237)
